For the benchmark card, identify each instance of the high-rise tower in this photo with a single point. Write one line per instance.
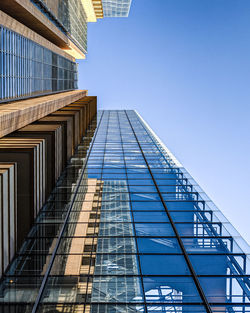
(127, 229)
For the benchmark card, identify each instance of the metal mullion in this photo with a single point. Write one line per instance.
(192, 271)
(46, 275)
(105, 236)
(133, 222)
(130, 253)
(124, 303)
(130, 275)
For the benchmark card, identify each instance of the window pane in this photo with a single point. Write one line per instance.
(163, 265)
(158, 245)
(170, 289)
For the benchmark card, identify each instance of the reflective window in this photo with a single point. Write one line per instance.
(28, 69)
(137, 236)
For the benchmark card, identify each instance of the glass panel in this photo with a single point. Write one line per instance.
(211, 264)
(116, 289)
(163, 265)
(116, 245)
(227, 308)
(176, 308)
(144, 197)
(151, 206)
(116, 264)
(22, 289)
(158, 245)
(153, 229)
(226, 289)
(170, 289)
(150, 217)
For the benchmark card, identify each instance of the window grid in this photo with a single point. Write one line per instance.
(142, 251)
(116, 8)
(69, 16)
(28, 69)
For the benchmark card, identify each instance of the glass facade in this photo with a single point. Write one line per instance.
(69, 16)
(127, 229)
(116, 8)
(27, 69)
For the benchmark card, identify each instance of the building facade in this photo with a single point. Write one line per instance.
(116, 8)
(40, 41)
(127, 229)
(29, 69)
(64, 23)
(30, 64)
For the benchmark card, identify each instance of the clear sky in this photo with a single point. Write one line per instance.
(184, 65)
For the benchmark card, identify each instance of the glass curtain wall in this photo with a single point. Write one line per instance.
(27, 69)
(69, 16)
(116, 8)
(138, 235)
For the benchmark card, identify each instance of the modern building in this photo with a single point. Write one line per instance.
(36, 56)
(64, 23)
(40, 41)
(116, 8)
(127, 229)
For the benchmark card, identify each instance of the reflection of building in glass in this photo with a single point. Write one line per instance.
(116, 8)
(112, 246)
(128, 230)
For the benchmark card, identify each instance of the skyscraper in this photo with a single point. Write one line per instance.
(127, 229)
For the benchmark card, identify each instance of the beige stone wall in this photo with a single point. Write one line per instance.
(18, 114)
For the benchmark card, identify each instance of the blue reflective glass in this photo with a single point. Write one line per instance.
(151, 206)
(145, 197)
(140, 182)
(217, 264)
(170, 290)
(158, 245)
(154, 229)
(181, 205)
(169, 308)
(142, 189)
(150, 216)
(164, 265)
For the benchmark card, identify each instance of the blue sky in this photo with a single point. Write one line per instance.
(184, 65)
